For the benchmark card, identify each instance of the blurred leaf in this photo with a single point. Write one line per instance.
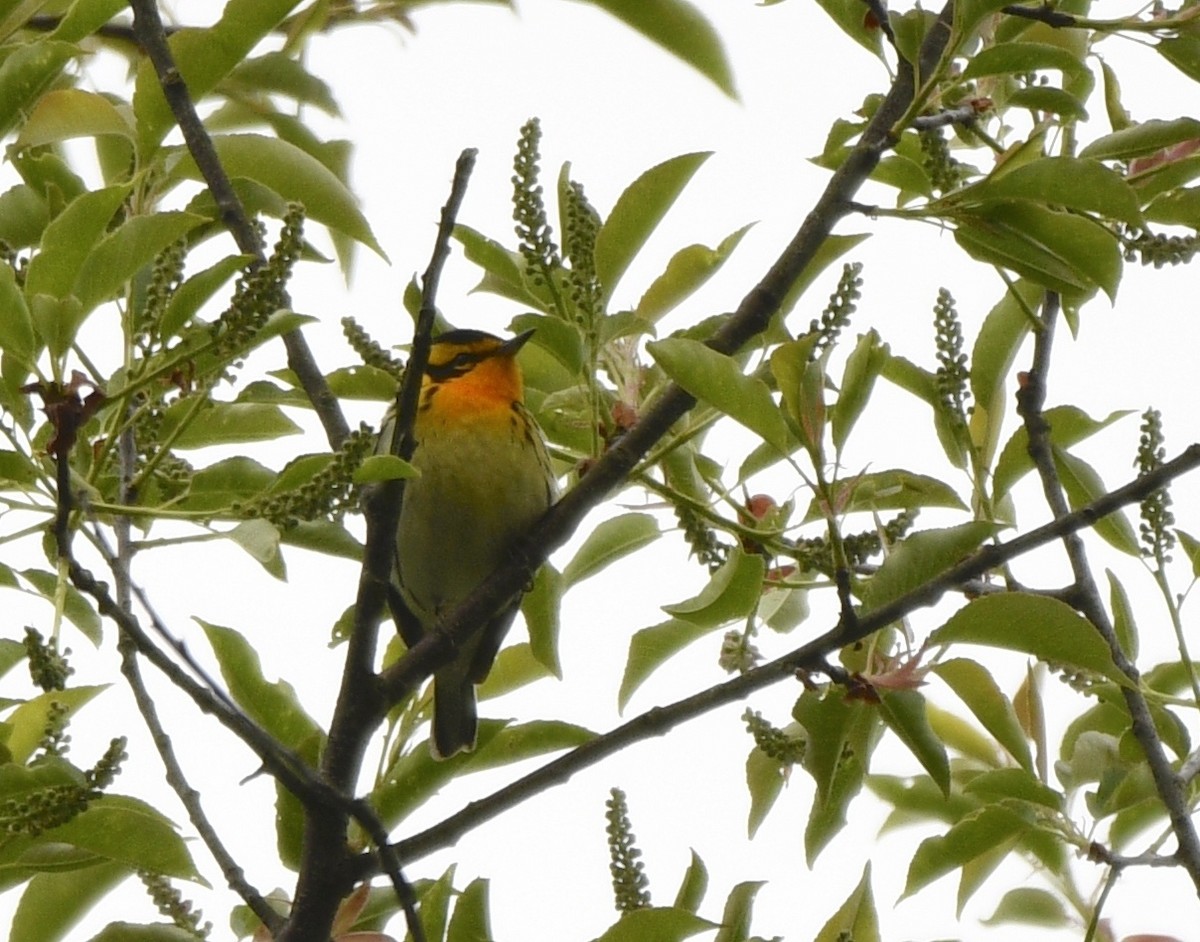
(694, 885)
(24, 216)
(658, 923)
(16, 326)
(904, 713)
(686, 272)
(609, 541)
(832, 248)
(281, 74)
(260, 538)
(1038, 625)
(1016, 58)
(377, 468)
(272, 705)
(1014, 785)
(1124, 625)
(195, 291)
(637, 213)
(719, 381)
(129, 932)
(1048, 98)
(1191, 548)
(680, 29)
(851, 17)
(25, 727)
(856, 919)
(921, 557)
(974, 685)
(801, 381)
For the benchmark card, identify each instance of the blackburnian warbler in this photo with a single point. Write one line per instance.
(484, 479)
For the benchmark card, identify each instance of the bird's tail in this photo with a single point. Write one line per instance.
(455, 720)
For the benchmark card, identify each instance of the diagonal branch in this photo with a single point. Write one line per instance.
(1086, 598)
(811, 656)
(150, 34)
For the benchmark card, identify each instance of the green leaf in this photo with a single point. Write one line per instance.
(16, 326)
(976, 687)
(1063, 252)
(53, 903)
(26, 725)
(886, 490)
(68, 241)
(1183, 52)
(197, 289)
(227, 423)
(686, 272)
(738, 912)
(25, 73)
(658, 923)
(801, 381)
(694, 885)
(973, 836)
(851, 18)
(1030, 906)
(610, 541)
(124, 252)
(260, 538)
(856, 919)
(24, 215)
(281, 74)
(1014, 785)
(76, 606)
(1037, 625)
(637, 213)
(232, 480)
(1124, 625)
(273, 705)
(67, 113)
(1004, 330)
(1070, 182)
(921, 557)
(130, 832)
(765, 778)
(863, 366)
(679, 28)
(204, 57)
(1141, 139)
(503, 268)
(296, 176)
(1068, 425)
(1021, 57)
(904, 713)
(719, 381)
(650, 648)
(541, 607)
(470, 921)
(1191, 547)
(377, 468)
(1047, 98)
(1083, 486)
(732, 592)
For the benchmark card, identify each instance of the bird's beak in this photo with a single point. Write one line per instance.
(510, 347)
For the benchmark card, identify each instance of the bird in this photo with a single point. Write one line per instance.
(484, 479)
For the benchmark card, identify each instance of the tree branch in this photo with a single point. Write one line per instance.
(810, 657)
(1171, 789)
(148, 29)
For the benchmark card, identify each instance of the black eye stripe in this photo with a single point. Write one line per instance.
(457, 365)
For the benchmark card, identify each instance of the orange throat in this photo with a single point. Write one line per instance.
(488, 390)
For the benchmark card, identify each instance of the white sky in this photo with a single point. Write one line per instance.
(614, 105)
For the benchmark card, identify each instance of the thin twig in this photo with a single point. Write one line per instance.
(148, 29)
(360, 705)
(810, 657)
(1171, 791)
